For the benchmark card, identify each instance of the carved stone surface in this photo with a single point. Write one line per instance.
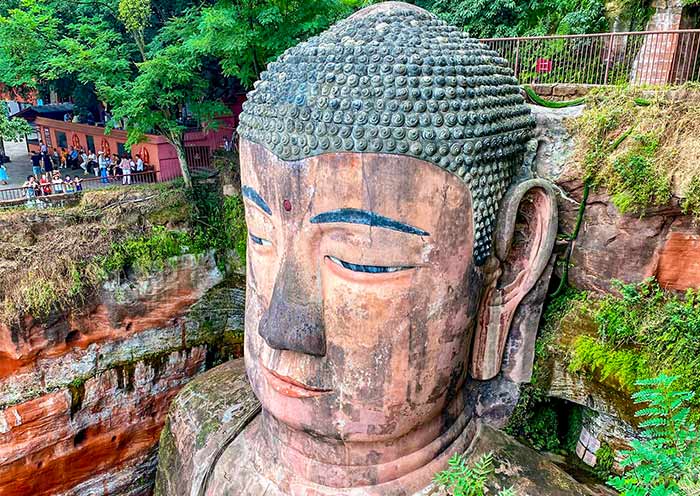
(376, 167)
(398, 80)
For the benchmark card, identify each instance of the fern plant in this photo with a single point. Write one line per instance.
(461, 479)
(666, 461)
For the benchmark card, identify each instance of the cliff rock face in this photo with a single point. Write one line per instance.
(663, 243)
(83, 398)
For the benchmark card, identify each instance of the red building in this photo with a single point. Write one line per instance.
(155, 150)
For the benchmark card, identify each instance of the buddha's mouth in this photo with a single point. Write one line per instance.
(289, 387)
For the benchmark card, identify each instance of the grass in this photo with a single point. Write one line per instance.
(53, 261)
(642, 331)
(641, 145)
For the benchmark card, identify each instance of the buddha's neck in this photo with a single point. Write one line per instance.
(301, 463)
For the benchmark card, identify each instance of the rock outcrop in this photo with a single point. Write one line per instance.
(83, 398)
(663, 243)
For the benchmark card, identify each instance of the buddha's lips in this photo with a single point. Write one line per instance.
(289, 387)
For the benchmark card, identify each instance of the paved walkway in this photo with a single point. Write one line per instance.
(21, 165)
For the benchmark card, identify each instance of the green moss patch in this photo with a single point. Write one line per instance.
(641, 145)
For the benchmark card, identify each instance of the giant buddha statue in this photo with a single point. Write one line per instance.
(393, 236)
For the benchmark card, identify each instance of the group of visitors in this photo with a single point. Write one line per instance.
(46, 166)
(52, 184)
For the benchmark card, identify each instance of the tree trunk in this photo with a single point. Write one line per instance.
(182, 157)
(2, 149)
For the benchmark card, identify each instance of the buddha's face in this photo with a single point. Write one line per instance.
(360, 303)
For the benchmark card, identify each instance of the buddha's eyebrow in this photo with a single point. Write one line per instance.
(355, 216)
(255, 197)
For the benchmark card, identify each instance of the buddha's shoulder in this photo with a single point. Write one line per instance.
(204, 418)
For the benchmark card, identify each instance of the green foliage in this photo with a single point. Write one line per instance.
(12, 129)
(462, 479)
(691, 203)
(624, 367)
(147, 253)
(491, 18)
(669, 451)
(634, 143)
(247, 35)
(605, 459)
(643, 331)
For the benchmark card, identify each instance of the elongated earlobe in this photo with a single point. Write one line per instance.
(523, 244)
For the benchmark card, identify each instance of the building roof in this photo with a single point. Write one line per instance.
(52, 110)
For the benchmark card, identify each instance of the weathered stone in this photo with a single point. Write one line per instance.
(91, 392)
(207, 414)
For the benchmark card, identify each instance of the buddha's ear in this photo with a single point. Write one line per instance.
(523, 244)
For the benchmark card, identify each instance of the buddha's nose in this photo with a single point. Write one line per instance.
(294, 319)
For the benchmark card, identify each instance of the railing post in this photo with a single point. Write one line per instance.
(607, 59)
(517, 57)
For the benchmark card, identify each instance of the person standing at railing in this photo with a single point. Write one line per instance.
(64, 158)
(78, 183)
(125, 165)
(139, 164)
(69, 185)
(83, 160)
(29, 186)
(45, 184)
(57, 184)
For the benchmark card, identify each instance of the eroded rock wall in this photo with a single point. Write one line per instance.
(83, 398)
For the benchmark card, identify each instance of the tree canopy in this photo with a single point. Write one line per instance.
(160, 66)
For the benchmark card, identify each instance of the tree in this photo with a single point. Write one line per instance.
(141, 71)
(245, 35)
(11, 129)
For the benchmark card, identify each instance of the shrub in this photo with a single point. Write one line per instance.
(462, 479)
(668, 454)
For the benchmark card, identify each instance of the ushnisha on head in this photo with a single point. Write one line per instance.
(377, 163)
(397, 80)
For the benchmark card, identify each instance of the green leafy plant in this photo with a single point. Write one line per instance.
(463, 479)
(605, 458)
(668, 454)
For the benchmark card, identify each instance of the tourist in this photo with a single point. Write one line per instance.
(92, 163)
(125, 166)
(3, 173)
(45, 184)
(69, 185)
(46, 158)
(43, 148)
(103, 164)
(116, 166)
(36, 164)
(73, 157)
(56, 159)
(78, 183)
(139, 163)
(83, 160)
(57, 184)
(64, 158)
(227, 145)
(67, 117)
(30, 184)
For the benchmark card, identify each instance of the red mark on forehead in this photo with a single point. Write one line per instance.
(287, 205)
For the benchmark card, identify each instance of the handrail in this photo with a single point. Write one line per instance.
(19, 194)
(592, 35)
(626, 57)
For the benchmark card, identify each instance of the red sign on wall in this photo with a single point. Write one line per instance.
(543, 66)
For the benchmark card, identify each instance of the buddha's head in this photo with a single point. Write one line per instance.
(378, 163)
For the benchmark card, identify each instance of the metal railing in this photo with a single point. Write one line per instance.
(49, 192)
(637, 58)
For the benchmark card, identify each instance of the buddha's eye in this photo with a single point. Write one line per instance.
(369, 269)
(259, 241)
